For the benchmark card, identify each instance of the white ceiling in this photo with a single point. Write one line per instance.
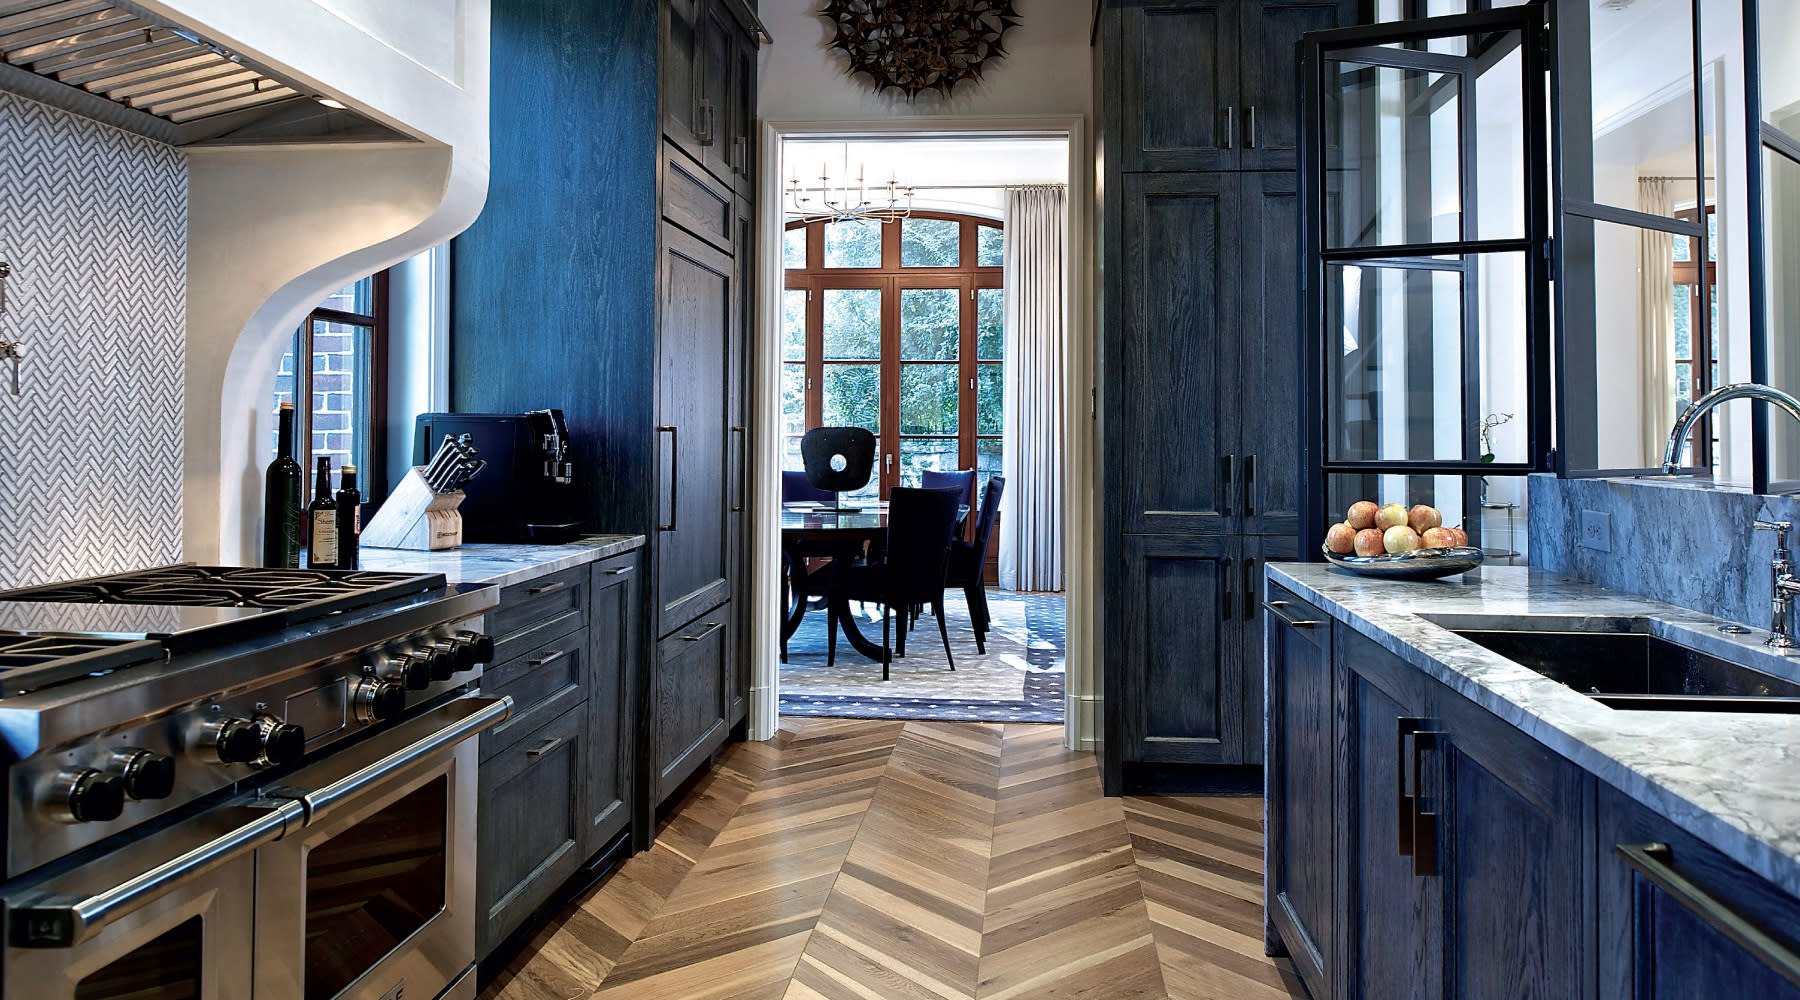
(989, 164)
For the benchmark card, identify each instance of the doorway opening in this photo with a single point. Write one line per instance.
(905, 328)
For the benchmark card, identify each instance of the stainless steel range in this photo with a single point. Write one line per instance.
(225, 783)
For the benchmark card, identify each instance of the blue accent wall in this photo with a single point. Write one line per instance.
(553, 294)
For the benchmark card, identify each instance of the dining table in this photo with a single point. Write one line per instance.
(813, 531)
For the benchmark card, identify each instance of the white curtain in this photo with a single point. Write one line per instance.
(1656, 318)
(1031, 530)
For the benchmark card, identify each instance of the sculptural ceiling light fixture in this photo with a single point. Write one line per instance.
(914, 46)
(847, 203)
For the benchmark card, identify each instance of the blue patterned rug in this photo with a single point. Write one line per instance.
(1018, 679)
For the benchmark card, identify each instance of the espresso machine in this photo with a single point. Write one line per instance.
(527, 492)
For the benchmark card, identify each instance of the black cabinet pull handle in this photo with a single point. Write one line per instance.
(1407, 727)
(743, 468)
(1249, 590)
(547, 588)
(1275, 607)
(1225, 610)
(711, 627)
(1230, 125)
(1425, 821)
(1225, 470)
(545, 747)
(621, 571)
(1656, 862)
(1250, 127)
(550, 657)
(674, 476)
(705, 136)
(1249, 487)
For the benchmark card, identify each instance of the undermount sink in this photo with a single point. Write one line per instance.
(1621, 664)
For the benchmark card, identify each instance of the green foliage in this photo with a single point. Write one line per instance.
(990, 324)
(793, 324)
(793, 247)
(990, 246)
(852, 323)
(990, 395)
(928, 399)
(852, 396)
(793, 398)
(853, 244)
(930, 242)
(930, 320)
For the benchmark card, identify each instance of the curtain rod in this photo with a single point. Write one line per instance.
(1681, 177)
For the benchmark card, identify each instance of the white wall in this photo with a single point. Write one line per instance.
(276, 229)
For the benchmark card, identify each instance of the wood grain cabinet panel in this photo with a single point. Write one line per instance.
(1184, 675)
(1268, 88)
(1300, 786)
(1179, 77)
(613, 640)
(690, 699)
(531, 816)
(1267, 334)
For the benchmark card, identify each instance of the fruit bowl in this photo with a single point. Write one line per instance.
(1419, 564)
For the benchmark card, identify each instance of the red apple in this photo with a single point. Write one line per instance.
(1341, 539)
(1440, 538)
(1390, 516)
(1362, 514)
(1400, 538)
(1462, 537)
(1368, 542)
(1423, 518)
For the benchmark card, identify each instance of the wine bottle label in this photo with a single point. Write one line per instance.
(324, 538)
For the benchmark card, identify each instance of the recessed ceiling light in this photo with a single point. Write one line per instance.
(332, 103)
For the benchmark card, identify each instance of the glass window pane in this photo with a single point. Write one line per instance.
(990, 246)
(1399, 159)
(1642, 108)
(1778, 24)
(357, 297)
(928, 399)
(853, 244)
(793, 398)
(930, 324)
(1781, 249)
(930, 242)
(793, 324)
(1681, 252)
(1684, 339)
(286, 380)
(990, 324)
(919, 454)
(793, 247)
(341, 396)
(851, 396)
(989, 456)
(852, 323)
(790, 456)
(990, 399)
(167, 967)
(1712, 236)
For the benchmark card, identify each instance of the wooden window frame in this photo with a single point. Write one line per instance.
(372, 482)
(893, 279)
(1700, 274)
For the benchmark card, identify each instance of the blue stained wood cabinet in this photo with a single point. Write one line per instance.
(1300, 877)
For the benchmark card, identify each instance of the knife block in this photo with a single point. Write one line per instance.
(416, 518)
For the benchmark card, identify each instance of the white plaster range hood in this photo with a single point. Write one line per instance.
(121, 64)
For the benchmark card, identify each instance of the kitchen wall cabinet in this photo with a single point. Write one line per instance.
(1201, 409)
(709, 87)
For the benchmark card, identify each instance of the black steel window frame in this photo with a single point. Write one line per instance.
(1368, 44)
(373, 480)
(1761, 137)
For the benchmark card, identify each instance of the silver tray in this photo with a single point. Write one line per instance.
(1420, 564)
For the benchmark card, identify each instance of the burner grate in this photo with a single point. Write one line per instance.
(302, 593)
(28, 662)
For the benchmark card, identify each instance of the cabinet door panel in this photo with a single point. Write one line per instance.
(1257, 554)
(680, 71)
(1180, 75)
(689, 704)
(1270, 355)
(1268, 79)
(1302, 760)
(613, 655)
(1184, 675)
(718, 43)
(1179, 351)
(694, 396)
(531, 813)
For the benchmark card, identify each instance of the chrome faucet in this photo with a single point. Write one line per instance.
(1783, 585)
(1684, 424)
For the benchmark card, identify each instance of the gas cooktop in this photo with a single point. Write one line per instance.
(304, 593)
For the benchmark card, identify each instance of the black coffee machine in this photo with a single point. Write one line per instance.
(527, 492)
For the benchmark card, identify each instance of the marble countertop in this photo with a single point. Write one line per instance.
(500, 565)
(1731, 780)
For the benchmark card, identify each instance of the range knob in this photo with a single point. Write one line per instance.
(88, 796)
(411, 670)
(379, 700)
(479, 646)
(146, 775)
(281, 743)
(441, 658)
(232, 741)
(461, 656)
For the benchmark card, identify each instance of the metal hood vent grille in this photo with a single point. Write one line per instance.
(108, 60)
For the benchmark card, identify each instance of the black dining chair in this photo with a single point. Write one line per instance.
(962, 479)
(921, 523)
(795, 488)
(838, 459)
(968, 562)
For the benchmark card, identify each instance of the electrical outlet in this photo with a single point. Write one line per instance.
(1596, 530)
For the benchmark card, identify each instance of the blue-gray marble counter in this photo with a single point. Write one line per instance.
(501, 565)
(1731, 780)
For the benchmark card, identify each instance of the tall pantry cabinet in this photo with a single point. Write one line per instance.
(1198, 104)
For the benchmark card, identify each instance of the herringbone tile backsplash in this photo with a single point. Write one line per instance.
(94, 223)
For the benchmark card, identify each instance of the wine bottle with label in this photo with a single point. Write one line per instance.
(322, 518)
(349, 518)
(283, 513)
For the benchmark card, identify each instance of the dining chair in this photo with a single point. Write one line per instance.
(921, 523)
(962, 479)
(968, 562)
(838, 459)
(795, 488)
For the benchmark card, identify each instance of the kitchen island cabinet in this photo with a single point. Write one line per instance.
(1488, 832)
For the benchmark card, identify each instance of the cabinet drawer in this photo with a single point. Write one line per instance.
(689, 707)
(533, 602)
(531, 817)
(544, 683)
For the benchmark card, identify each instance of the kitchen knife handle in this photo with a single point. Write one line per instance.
(743, 468)
(674, 477)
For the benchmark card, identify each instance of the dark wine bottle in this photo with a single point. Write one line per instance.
(322, 518)
(349, 518)
(283, 514)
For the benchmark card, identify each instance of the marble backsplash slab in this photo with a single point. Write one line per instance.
(1682, 543)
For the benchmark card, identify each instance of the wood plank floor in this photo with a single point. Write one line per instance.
(919, 861)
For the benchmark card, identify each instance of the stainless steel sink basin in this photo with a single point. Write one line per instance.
(1620, 663)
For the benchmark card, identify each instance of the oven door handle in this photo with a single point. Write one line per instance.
(56, 920)
(467, 717)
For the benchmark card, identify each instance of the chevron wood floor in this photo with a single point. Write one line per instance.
(919, 861)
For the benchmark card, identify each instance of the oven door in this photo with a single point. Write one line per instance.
(375, 897)
(166, 917)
